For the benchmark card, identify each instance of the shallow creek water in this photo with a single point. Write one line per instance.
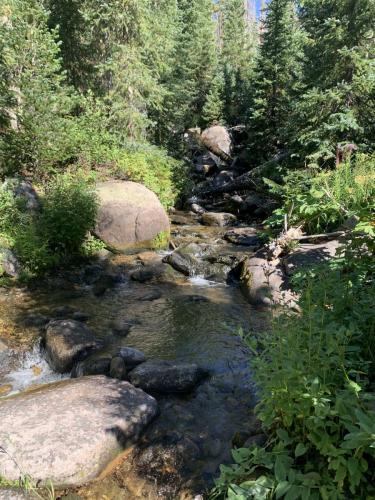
(194, 320)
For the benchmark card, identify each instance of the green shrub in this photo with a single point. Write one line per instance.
(57, 233)
(68, 212)
(315, 373)
(322, 200)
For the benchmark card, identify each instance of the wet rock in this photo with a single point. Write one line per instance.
(9, 264)
(92, 273)
(130, 215)
(181, 220)
(184, 259)
(166, 376)
(246, 236)
(96, 364)
(132, 357)
(220, 219)
(142, 275)
(69, 431)
(104, 283)
(197, 209)
(67, 342)
(118, 368)
(80, 316)
(36, 320)
(151, 296)
(258, 204)
(121, 327)
(165, 458)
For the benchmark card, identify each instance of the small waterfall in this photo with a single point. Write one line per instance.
(30, 368)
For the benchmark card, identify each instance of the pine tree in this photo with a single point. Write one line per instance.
(276, 82)
(239, 40)
(339, 104)
(195, 58)
(39, 102)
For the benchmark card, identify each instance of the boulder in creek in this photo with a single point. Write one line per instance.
(220, 219)
(9, 264)
(167, 376)
(67, 342)
(264, 282)
(184, 259)
(217, 140)
(130, 215)
(69, 431)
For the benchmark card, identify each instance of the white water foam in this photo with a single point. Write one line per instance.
(31, 369)
(200, 280)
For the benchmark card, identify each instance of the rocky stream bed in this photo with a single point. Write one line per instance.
(184, 308)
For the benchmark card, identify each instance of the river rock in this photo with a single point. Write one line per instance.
(246, 236)
(166, 376)
(36, 320)
(220, 219)
(66, 342)
(130, 215)
(132, 357)
(184, 259)
(265, 283)
(69, 431)
(222, 178)
(118, 368)
(96, 364)
(9, 264)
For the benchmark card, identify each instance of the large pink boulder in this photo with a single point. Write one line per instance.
(130, 215)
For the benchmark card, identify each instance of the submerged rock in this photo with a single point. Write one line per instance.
(166, 376)
(130, 215)
(220, 219)
(118, 368)
(69, 431)
(66, 342)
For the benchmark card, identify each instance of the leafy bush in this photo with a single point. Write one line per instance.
(315, 373)
(56, 234)
(321, 201)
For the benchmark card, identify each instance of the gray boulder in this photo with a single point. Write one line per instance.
(132, 357)
(9, 264)
(220, 219)
(130, 215)
(264, 282)
(184, 259)
(309, 255)
(166, 376)
(66, 342)
(69, 431)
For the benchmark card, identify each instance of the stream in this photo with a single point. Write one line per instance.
(194, 318)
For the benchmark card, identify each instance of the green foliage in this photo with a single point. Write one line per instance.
(322, 200)
(69, 211)
(315, 373)
(43, 240)
(276, 82)
(239, 44)
(339, 102)
(40, 106)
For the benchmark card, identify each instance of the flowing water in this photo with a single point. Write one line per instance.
(192, 319)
